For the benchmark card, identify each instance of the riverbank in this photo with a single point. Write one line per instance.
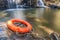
(53, 4)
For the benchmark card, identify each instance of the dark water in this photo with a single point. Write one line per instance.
(36, 17)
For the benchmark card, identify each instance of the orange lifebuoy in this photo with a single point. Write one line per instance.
(14, 28)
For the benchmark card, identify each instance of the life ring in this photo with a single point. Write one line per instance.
(19, 29)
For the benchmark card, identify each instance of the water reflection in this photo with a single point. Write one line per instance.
(39, 12)
(18, 15)
(38, 16)
(56, 21)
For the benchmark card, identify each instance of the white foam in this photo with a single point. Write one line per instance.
(15, 9)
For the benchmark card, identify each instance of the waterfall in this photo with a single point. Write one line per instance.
(40, 3)
(17, 3)
(13, 3)
(10, 3)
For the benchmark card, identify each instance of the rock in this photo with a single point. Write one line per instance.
(3, 4)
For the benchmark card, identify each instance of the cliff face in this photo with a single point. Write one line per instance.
(3, 4)
(31, 3)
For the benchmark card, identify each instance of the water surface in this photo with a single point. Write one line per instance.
(36, 17)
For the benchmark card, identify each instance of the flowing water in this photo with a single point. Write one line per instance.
(13, 3)
(40, 3)
(19, 3)
(37, 17)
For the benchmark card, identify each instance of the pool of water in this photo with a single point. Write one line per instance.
(37, 17)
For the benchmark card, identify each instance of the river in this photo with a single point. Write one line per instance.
(47, 17)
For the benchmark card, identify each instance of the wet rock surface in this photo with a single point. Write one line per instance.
(3, 4)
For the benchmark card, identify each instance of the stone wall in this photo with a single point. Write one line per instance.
(31, 3)
(3, 4)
